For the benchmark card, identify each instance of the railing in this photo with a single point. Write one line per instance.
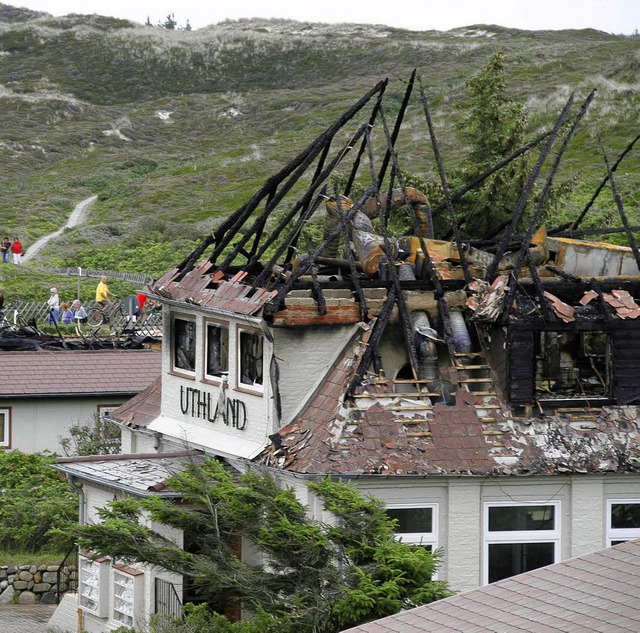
(121, 322)
(167, 599)
(73, 271)
(67, 580)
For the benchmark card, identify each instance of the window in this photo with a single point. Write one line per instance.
(416, 525)
(127, 588)
(623, 520)
(92, 585)
(184, 345)
(250, 353)
(572, 363)
(5, 427)
(217, 350)
(520, 538)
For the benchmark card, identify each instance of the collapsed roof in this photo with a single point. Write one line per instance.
(524, 325)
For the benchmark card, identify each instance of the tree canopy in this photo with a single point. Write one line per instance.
(308, 576)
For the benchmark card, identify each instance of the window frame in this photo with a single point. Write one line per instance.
(419, 538)
(212, 378)
(253, 388)
(5, 437)
(519, 536)
(134, 579)
(620, 534)
(99, 570)
(188, 373)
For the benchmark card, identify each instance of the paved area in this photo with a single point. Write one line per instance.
(25, 618)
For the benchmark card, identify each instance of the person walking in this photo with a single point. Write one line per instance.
(5, 249)
(16, 249)
(79, 313)
(54, 307)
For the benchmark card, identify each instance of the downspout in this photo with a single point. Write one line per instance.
(78, 488)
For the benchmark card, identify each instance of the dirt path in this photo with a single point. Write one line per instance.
(78, 216)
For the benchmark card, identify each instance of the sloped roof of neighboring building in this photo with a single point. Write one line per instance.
(77, 372)
(142, 409)
(142, 474)
(596, 592)
(380, 432)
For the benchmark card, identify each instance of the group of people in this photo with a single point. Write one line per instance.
(63, 312)
(75, 313)
(9, 248)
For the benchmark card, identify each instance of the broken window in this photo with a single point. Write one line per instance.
(623, 521)
(520, 538)
(217, 350)
(572, 363)
(415, 525)
(184, 344)
(250, 352)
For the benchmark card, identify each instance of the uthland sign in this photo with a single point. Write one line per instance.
(199, 404)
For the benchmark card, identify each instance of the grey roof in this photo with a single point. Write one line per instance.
(596, 592)
(141, 475)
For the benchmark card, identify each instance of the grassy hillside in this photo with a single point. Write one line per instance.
(176, 129)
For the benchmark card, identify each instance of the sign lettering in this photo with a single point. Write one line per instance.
(198, 404)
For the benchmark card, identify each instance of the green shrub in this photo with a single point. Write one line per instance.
(36, 505)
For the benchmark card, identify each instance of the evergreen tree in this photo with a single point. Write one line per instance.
(310, 577)
(494, 126)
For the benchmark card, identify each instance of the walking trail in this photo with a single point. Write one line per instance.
(78, 216)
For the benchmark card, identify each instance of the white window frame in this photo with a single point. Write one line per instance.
(127, 596)
(174, 366)
(222, 326)
(5, 437)
(520, 536)
(244, 386)
(419, 538)
(93, 585)
(620, 534)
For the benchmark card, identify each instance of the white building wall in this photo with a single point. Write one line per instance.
(461, 501)
(38, 423)
(304, 357)
(190, 425)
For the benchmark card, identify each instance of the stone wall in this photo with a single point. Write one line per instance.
(27, 584)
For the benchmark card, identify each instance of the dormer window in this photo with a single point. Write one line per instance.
(184, 345)
(250, 346)
(217, 350)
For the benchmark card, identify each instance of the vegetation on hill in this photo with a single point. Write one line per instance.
(175, 129)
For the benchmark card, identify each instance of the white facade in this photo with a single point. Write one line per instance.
(33, 425)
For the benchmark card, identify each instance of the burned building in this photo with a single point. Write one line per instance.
(487, 392)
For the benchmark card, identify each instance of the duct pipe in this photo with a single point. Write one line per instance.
(460, 333)
(425, 337)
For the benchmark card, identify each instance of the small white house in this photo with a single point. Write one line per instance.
(44, 393)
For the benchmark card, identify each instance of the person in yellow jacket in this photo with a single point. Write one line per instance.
(102, 295)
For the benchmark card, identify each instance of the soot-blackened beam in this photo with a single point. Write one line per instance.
(396, 128)
(618, 199)
(535, 217)
(227, 231)
(492, 170)
(526, 193)
(292, 234)
(600, 187)
(445, 186)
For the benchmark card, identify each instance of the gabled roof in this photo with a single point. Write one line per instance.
(77, 372)
(141, 475)
(596, 592)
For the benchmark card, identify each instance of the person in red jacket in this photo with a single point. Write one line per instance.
(16, 249)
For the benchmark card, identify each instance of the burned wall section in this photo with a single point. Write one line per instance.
(589, 360)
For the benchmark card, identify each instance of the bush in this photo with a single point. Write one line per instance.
(36, 504)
